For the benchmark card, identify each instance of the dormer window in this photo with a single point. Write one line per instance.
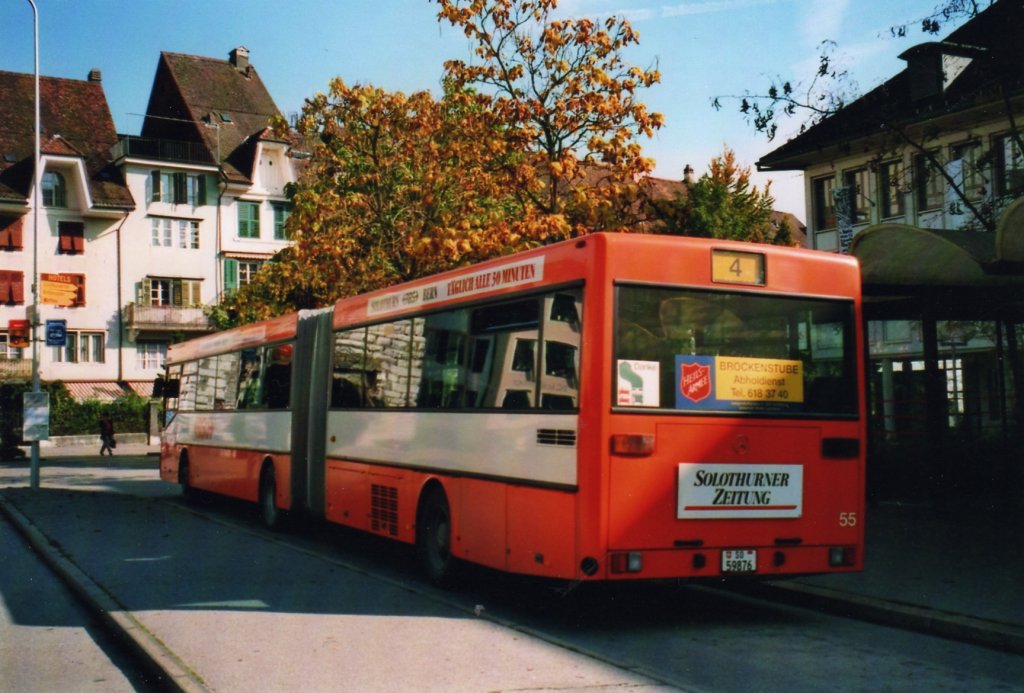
(55, 190)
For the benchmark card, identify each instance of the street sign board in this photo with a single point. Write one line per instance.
(58, 289)
(56, 333)
(18, 334)
(36, 425)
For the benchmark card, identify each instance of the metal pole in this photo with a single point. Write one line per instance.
(37, 176)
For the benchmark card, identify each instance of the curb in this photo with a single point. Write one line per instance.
(171, 673)
(976, 631)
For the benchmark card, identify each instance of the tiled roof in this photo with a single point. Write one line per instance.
(212, 101)
(990, 37)
(75, 121)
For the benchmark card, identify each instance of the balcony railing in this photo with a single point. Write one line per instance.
(15, 369)
(165, 319)
(161, 150)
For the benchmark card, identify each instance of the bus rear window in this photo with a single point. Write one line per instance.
(708, 351)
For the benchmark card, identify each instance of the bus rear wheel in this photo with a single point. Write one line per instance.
(270, 514)
(434, 538)
(188, 492)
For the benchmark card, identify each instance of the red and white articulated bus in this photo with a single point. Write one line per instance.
(618, 406)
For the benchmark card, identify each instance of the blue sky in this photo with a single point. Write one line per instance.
(702, 48)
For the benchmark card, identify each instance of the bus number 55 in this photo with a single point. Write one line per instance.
(847, 519)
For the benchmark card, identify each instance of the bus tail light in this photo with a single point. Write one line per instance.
(632, 445)
(839, 556)
(632, 562)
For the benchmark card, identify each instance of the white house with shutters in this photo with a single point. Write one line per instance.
(141, 232)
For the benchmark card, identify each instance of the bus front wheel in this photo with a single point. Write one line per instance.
(434, 538)
(270, 514)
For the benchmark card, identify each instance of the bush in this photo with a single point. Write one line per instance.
(68, 416)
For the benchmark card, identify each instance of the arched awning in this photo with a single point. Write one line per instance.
(944, 270)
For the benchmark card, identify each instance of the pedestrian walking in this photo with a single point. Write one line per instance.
(107, 436)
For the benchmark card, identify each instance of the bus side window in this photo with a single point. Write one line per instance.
(226, 395)
(560, 376)
(277, 378)
(387, 364)
(504, 358)
(189, 376)
(206, 383)
(250, 382)
(348, 381)
(439, 360)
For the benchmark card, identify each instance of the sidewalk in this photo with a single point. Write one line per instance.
(949, 572)
(952, 572)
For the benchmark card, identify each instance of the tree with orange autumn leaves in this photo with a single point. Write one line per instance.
(396, 187)
(533, 141)
(567, 98)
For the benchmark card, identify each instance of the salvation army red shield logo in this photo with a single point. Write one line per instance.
(695, 381)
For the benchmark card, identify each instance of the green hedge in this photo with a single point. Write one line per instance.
(68, 416)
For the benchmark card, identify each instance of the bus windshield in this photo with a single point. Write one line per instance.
(698, 351)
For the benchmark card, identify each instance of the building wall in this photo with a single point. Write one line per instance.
(945, 210)
(94, 258)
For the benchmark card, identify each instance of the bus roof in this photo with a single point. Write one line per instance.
(642, 257)
(277, 329)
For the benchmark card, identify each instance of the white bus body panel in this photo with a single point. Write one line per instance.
(492, 445)
(265, 431)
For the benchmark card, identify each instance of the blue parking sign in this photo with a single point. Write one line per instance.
(56, 333)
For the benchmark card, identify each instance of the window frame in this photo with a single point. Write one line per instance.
(53, 190)
(1002, 143)
(972, 178)
(12, 288)
(82, 346)
(823, 209)
(151, 355)
(858, 180)
(177, 292)
(282, 211)
(12, 236)
(7, 352)
(247, 271)
(892, 202)
(929, 183)
(71, 238)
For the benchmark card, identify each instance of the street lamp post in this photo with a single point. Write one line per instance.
(37, 177)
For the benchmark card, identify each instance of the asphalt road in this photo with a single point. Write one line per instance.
(369, 612)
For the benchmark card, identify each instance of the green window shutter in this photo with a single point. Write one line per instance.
(192, 293)
(201, 190)
(180, 182)
(230, 274)
(145, 292)
(154, 193)
(248, 219)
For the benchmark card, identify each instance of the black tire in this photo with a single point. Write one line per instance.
(188, 492)
(271, 516)
(434, 538)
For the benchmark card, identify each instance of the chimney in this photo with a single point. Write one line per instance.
(688, 175)
(239, 57)
(95, 75)
(924, 71)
